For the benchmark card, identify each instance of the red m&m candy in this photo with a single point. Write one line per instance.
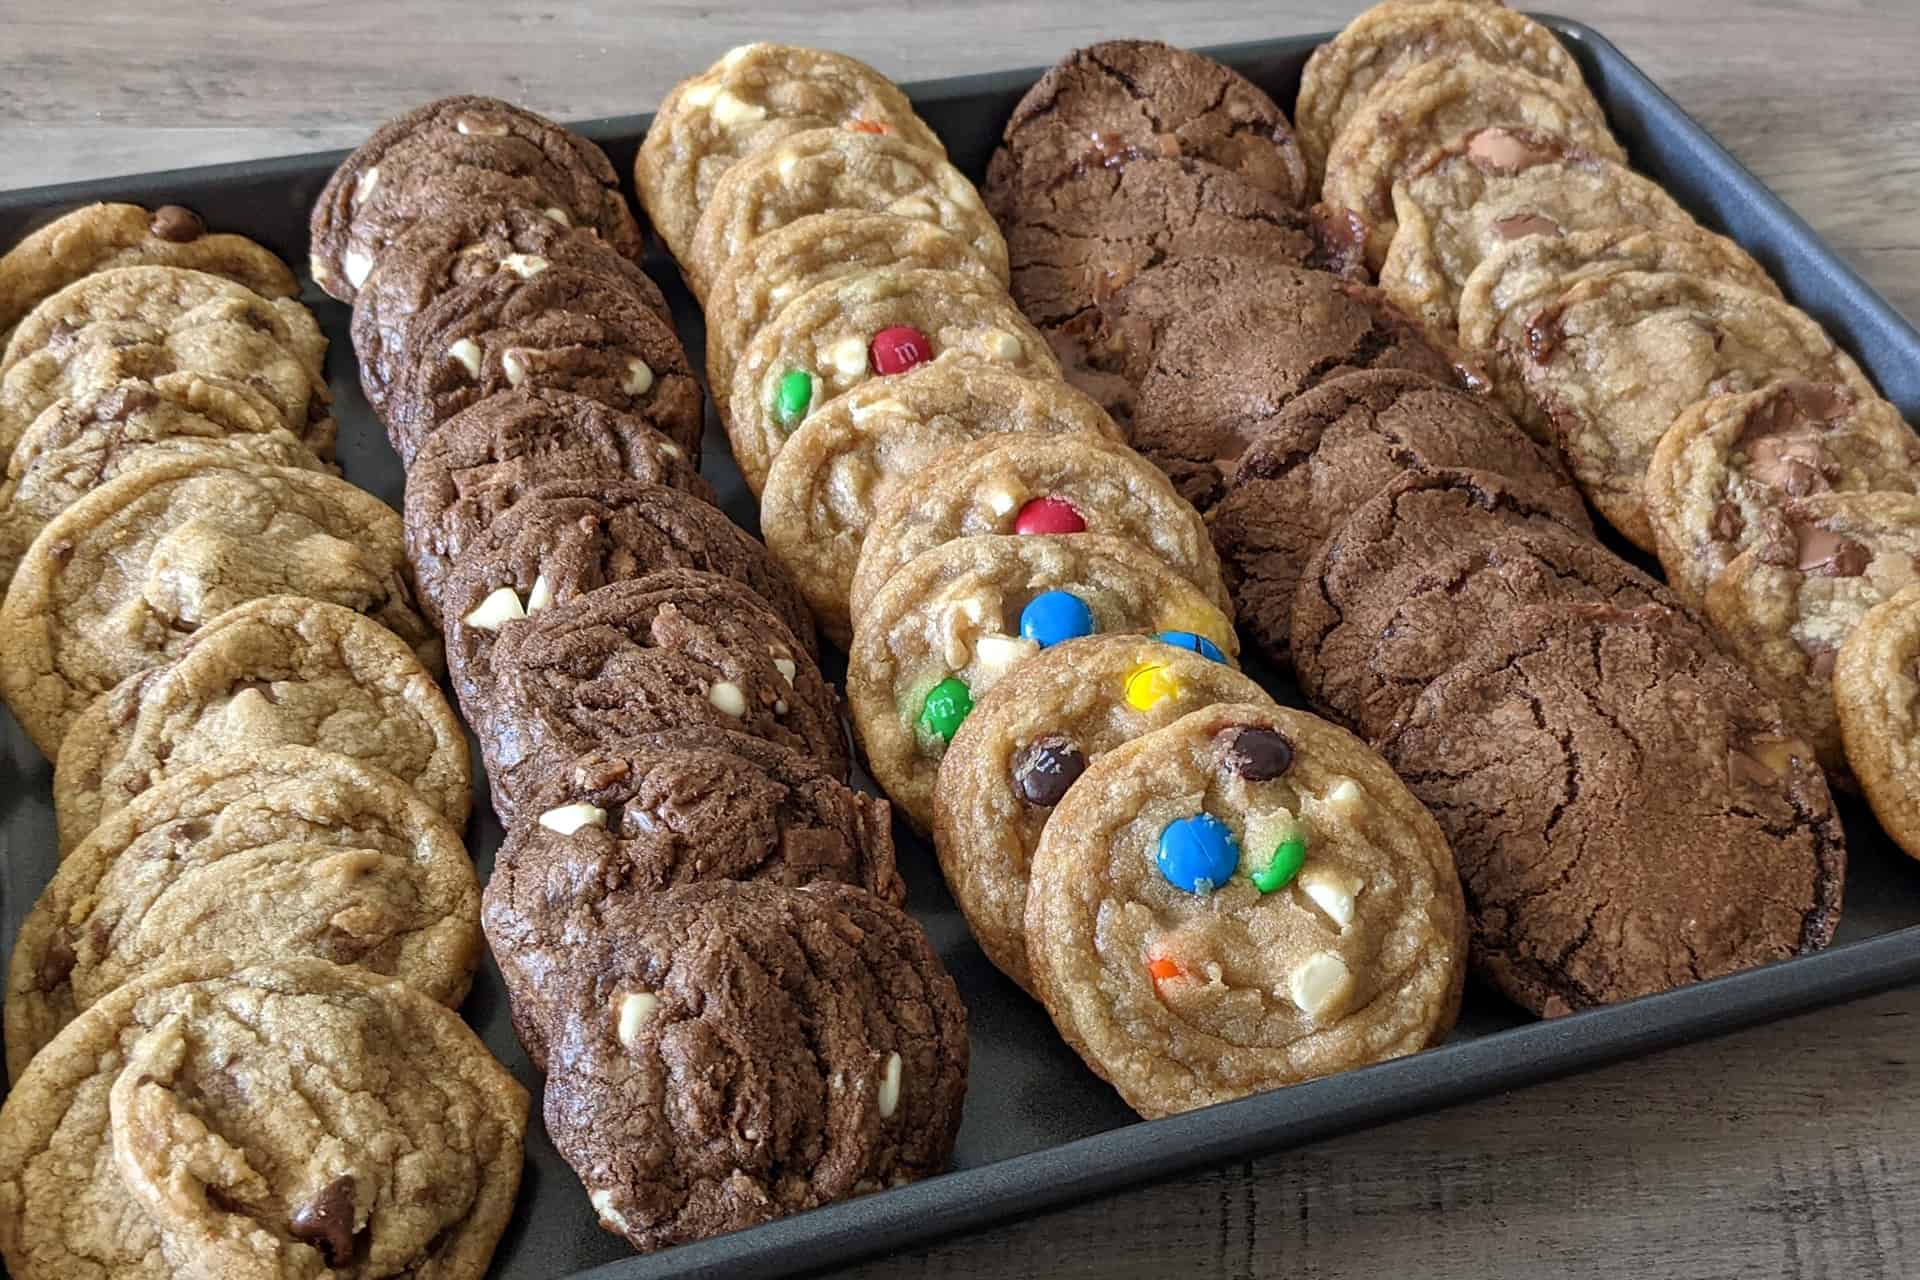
(1049, 515)
(899, 348)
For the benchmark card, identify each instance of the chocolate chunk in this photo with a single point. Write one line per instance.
(1828, 554)
(1257, 754)
(1520, 225)
(1504, 151)
(1728, 524)
(181, 226)
(57, 963)
(326, 1222)
(1046, 767)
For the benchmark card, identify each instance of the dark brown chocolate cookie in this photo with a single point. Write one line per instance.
(1335, 447)
(494, 452)
(564, 328)
(670, 650)
(567, 537)
(642, 815)
(735, 1053)
(1627, 812)
(453, 154)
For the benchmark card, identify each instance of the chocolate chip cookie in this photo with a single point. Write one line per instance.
(452, 154)
(278, 671)
(843, 462)
(1628, 813)
(670, 650)
(1335, 447)
(638, 816)
(121, 580)
(1876, 689)
(952, 621)
(1029, 739)
(299, 1118)
(751, 98)
(1243, 900)
(840, 1039)
(484, 459)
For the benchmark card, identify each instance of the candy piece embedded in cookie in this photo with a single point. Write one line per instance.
(1243, 900)
(279, 671)
(1876, 689)
(452, 154)
(841, 1039)
(1627, 811)
(953, 620)
(751, 98)
(362, 1128)
(638, 816)
(121, 580)
(1028, 739)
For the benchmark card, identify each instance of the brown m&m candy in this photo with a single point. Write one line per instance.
(1046, 767)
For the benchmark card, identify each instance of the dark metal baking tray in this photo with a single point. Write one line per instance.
(1040, 1130)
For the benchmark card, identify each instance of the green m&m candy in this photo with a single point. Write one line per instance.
(1283, 866)
(792, 396)
(947, 704)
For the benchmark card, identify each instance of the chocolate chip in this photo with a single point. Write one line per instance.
(61, 551)
(1045, 768)
(1850, 561)
(1543, 335)
(171, 222)
(124, 401)
(1728, 524)
(57, 963)
(1518, 226)
(326, 1222)
(1258, 754)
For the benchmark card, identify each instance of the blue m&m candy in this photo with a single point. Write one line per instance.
(1198, 643)
(1053, 616)
(1197, 854)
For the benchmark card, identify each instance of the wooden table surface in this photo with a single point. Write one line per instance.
(1792, 1150)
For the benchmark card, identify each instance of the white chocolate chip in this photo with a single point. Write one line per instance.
(995, 655)
(728, 697)
(701, 95)
(731, 110)
(358, 266)
(904, 174)
(912, 207)
(1344, 798)
(1000, 497)
(1002, 345)
(1320, 985)
(602, 1201)
(1332, 891)
(364, 188)
(467, 352)
(569, 818)
(558, 215)
(541, 596)
(639, 379)
(497, 610)
(787, 669)
(525, 265)
(890, 1087)
(672, 450)
(849, 357)
(861, 412)
(636, 1009)
(788, 162)
(732, 56)
(514, 365)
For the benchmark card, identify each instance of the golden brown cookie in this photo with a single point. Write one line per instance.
(1876, 689)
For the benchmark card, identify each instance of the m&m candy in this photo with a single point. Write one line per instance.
(1053, 616)
(1283, 866)
(1198, 643)
(793, 396)
(1164, 970)
(946, 705)
(1048, 515)
(899, 348)
(1197, 854)
(1150, 685)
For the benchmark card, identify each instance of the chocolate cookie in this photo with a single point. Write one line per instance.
(561, 329)
(836, 470)
(670, 650)
(1722, 470)
(470, 472)
(121, 580)
(955, 619)
(279, 671)
(1107, 104)
(829, 1047)
(1028, 740)
(1627, 811)
(1332, 449)
(453, 154)
(638, 816)
(752, 97)
(1876, 689)
(1243, 900)
(299, 1118)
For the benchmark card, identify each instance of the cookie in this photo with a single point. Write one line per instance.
(1614, 360)
(849, 455)
(1430, 105)
(278, 671)
(1389, 40)
(470, 471)
(1811, 570)
(1103, 106)
(1627, 812)
(671, 650)
(877, 324)
(560, 329)
(952, 621)
(1243, 900)
(455, 246)
(638, 816)
(75, 446)
(1039, 484)
(1025, 744)
(298, 1118)
(121, 580)
(826, 169)
(1404, 588)
(1334, 448)
(100, 237)
(1726, 464)
(566, 538)
(761, 279)
(1876, 686)
(751, 98)
(840, 1039)
(453, 154)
